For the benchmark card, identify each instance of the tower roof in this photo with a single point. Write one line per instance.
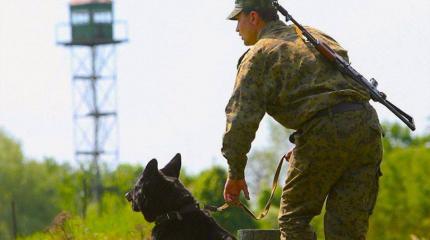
(80, 2)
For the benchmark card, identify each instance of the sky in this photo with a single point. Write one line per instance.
(176, 73)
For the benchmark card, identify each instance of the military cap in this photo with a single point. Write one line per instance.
(240, 5)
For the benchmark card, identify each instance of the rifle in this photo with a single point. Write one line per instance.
(343, 66)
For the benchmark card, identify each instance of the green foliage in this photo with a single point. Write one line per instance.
(50, 197)
(121, 179)
(264, 196)
(403, 205)
(271, 220)
(21, 181)
(116, 222)
(398, 136)
(42, 190)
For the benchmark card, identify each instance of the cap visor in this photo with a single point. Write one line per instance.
(233, 15)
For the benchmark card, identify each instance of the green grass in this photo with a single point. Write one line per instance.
(116, 222)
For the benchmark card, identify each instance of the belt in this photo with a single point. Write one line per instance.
(338, 108)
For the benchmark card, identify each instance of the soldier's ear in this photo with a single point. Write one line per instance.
(151, 169)
(173, 168)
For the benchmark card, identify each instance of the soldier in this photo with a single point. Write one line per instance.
(338, 147)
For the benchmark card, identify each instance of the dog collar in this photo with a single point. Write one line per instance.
(176, 215)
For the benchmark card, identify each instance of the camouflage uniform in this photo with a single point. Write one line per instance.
(337, 156)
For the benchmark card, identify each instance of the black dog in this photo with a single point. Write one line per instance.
(163, 199)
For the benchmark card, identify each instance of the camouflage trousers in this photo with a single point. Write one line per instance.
(336, 160)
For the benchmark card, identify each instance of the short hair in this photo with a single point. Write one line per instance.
(267, 14)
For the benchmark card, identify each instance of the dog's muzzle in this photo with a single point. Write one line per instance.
(129, 196)
(137, 199)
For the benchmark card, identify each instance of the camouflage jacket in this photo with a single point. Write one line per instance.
(286, 77)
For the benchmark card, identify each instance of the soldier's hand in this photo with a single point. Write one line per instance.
(233, 188)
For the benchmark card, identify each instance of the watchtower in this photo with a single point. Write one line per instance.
(92, 35)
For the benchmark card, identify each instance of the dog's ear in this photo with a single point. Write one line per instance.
(151, 168)
(173, 168)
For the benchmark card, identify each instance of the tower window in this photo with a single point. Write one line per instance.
(102, 17)
(81, 17)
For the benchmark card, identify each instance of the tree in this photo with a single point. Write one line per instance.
(31, 185)
(11, 160)
(403, 206)
(398, 136)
